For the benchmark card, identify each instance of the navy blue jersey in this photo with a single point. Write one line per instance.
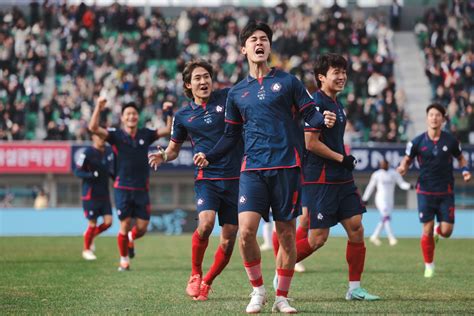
(94, 167)
(436, 162)
(131, 154)
(205, 125)
(321, 170)
(268, 109)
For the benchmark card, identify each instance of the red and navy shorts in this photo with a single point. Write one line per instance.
(132, 203)
(441, 206)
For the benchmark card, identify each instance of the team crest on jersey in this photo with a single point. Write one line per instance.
(219, 108)
(276, 87)
(445, 148)
(200, 202)
(91, 213)
(242, 199)
(119, 212)
(320, 217)
(141, 142)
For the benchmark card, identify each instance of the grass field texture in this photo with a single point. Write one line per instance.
(49, 276)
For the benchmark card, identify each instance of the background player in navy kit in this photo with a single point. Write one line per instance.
(94, 168)
(434, 150)
(130, 145)
(331, 195)
(216, 187)
(265, 105)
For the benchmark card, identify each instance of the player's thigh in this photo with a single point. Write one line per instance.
(254, 195)
(427, 207)
(446, 209)
(142, 207)
(323, 205)
(285, 188)
(350, 202)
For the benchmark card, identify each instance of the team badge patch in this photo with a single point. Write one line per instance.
(445, 148)
(200, 202)
(276, 87)
(242, 199)
(141, 142)
(320, 217)
(219, 108)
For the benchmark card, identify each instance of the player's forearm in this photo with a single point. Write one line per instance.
(94, 122)
(172, 151)
(226, 143)
(320, 149)
(83, 174)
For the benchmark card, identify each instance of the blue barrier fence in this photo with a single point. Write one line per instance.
(71, 222)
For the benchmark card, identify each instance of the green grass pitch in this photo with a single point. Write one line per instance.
(49, 276)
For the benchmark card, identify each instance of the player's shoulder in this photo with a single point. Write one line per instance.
(238, 86)
(219, 95)
(418, 138)
(450, 137)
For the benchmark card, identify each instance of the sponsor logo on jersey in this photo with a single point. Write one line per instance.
(191, 119)
(246, 93)
(261, 94)
(276, 87)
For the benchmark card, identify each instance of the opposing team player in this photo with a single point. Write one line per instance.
(265, 105)
(384, 180)
(94, 167)
(331, 195)
(130, 145)
(216, 187)
(434, 151)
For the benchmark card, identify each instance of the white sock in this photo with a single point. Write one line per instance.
(429, 265)
(353, 285)
(124, 259)
(260, 289)
(130, 236)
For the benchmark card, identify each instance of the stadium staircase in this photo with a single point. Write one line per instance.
(410, 77)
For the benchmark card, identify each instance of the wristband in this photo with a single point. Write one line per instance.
(163, 154)
(464, 170)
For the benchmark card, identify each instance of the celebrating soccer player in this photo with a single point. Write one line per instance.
(330, 193)
(434, 150)
(265, 105)
(384, 180)
(216, 187)
(94, 167)
(130, 145)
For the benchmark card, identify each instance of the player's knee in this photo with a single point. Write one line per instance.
(227, 245)
(205, 229)
(446, 233)
(317, 242)
(247, 236)
(141, 231)
(386, 218)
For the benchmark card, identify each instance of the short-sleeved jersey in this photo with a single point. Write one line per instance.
(204, 125)
(268, 109)
(132, 170)
(435, 159)
(94, 167)
(318, 170)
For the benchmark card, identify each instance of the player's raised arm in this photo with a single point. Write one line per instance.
(155, 159)
(168, 112)
(95, 118)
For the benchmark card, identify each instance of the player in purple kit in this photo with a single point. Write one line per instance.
(329, 191)
(216, 187)
(266, 106)
(93, 166)
(434, 151)
(130, 145)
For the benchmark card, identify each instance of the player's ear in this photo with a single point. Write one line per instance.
(188, 85)
(321, 77)
(243, 50)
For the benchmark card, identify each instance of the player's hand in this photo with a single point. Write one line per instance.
(402, 170)
(155, 159)
(349, 162)
(467, 176)
(101, 103)
(200, 160)
(167, 105)
(329, 118)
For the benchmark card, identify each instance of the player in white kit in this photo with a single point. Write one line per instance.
(384, 180)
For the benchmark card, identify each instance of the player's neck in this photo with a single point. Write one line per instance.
(130, 130)
(434, 133)
(100, 148)
(201, 101)
(330, 93)
(259, 70)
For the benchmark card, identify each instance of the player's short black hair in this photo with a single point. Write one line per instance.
(438, 107)
(130, 105)
(188, 71)
(253, 26)
(326, 61)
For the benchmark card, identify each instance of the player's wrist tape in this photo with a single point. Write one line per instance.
(465, 169)
(163, 154)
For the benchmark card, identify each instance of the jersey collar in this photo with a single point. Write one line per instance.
(195, 106)
(269, 75)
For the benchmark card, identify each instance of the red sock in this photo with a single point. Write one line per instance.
(355, 256)
(303, 249)
(135, 234)
(122, 241)
(301, 233)
(99, 229)
(88, 237)
(427, 247)
(276, 243)
(220, 262)
(284, 281)
(198, 249)
(254, 272)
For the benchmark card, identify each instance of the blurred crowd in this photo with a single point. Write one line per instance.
(57, 60)
(446, 34)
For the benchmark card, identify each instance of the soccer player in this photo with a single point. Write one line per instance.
(331, 195)
(265, 105)
(434, 151)
(216, 187)
(384, 180)
(130, 145)
(94, 168)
